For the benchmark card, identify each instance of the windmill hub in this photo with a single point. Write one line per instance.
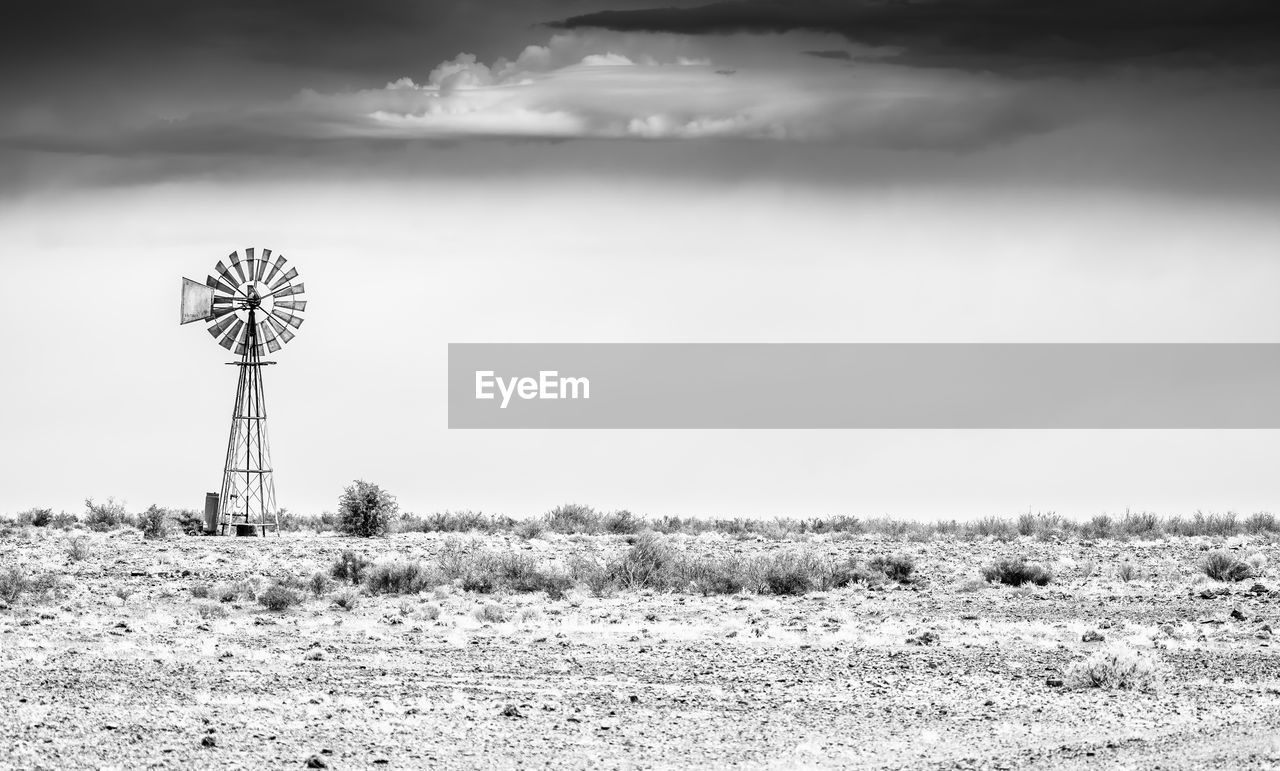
(252, 308)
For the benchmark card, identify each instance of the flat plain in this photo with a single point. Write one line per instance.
(118, 663)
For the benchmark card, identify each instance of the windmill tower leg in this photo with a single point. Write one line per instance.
(248, 502)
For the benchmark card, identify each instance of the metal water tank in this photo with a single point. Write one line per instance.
(211, 513)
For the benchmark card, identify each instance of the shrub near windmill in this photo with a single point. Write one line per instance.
(252, 308)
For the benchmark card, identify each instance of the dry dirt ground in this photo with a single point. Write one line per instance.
(124, 671)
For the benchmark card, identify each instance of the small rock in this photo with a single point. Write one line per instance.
(1237, 614)
(510, 711)
(208, 741)
(1207, 594)
(1053, 682)
(313, 655)
(1258, 589)
(315, 761)
(1092, 636)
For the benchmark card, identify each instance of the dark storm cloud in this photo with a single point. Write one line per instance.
(993, 32)
(370, 36)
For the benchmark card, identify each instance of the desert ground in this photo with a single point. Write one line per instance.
(136, 653)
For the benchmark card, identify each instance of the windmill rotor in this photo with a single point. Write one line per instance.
(250, 301)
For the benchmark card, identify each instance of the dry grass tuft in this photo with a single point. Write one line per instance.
(1116, 668)
(1017, 572)
(1224, 566)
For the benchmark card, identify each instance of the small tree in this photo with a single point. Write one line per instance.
(154, 523)
(366, 509)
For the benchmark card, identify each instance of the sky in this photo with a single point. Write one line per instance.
(593, 171)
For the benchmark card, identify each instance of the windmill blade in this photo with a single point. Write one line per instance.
(263, 263)
(219, 285)
(286, 278)
(265, 331)
(275, 268)
(284, 334)
(235, 265)
(273, 345)
(230, 279)
(232, 286)
(290, 290)
(293, 305)
(222, 326)
(250, 264)
(233, 335)
(288, 318)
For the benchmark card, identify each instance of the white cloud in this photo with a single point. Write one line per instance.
(655, 87)
(609, 59)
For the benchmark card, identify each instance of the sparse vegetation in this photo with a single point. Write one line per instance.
(896, 567)
(366, 510)
(13, 583)
(399, 578)
(319, 583)
(188, 521)
(105, 516)
(1126, 571)
(1016, 572)
(211, 610)
(347, 599)
(1116, 668)
(579, 519)
(726, 575)
(77, 548)
(154, 523)
(278, 597)
(490, 613)
(573, 518)
(1224, 566)
(649, 563)
(36, 517)
(243, 589)
(529, 529)
(623, 522)
(350, 567)
(790, 573)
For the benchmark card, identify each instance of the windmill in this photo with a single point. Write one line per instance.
(252, 308)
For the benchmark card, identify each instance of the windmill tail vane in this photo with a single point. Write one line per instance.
(252, 307)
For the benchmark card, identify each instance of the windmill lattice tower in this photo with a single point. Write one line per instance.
(252, 307)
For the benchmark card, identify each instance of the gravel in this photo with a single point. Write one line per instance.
(947, 672)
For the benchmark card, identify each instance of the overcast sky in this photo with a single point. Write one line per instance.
(574, 170)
